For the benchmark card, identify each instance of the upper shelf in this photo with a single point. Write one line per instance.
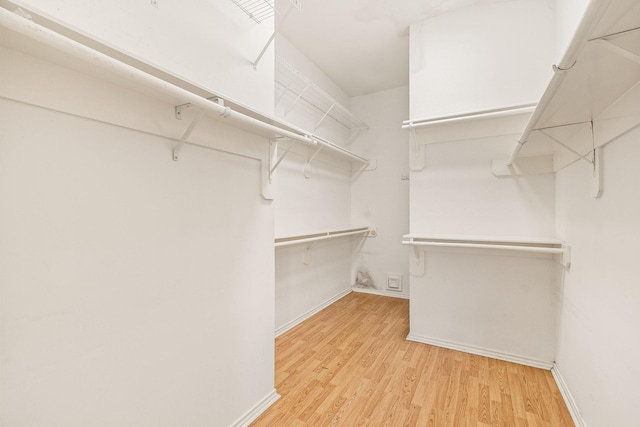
(23, 35)
(293, 87)
(594, 95)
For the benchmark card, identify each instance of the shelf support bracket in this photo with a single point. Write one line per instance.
(324, 117)
(274, 158)
(631, 56)
(417, 161)
(307, 164)
(557, 141)
(295, 101)
(264, 50)
(417, 263)
(179, 110)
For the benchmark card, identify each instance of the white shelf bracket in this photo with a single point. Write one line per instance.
(295, 101)
(324, 116)
(417, 263)
(631, 56)
(179, 114)
(274, 157)
(268, 188)
(565, 257)
(579, 156)
(597, 187)
(417, 161)
(263, 51)
(307, 164)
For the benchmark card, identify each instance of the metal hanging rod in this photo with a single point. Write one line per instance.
(462, 117)
(307, 238)
(116, 68)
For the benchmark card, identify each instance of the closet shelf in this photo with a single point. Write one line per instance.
(23, 35)
(560, 251)
(258, 10)
(323, 235)
(295, 88)
(594, 94)
(550, 246)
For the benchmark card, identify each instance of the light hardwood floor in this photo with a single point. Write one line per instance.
(350, 365)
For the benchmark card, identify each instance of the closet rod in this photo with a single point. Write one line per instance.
(592, 16)
(454, 118)
(25, 27)
(535, 249)
(323, 236)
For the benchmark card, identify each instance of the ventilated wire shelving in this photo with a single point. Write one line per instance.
(294, 88)
(258, 10)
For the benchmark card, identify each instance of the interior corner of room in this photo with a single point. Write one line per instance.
(180, 183)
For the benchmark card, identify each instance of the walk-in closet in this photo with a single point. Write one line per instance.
(301, 212)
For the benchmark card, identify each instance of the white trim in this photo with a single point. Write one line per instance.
(382, 293)
(295, 322)
(481, 351)
(572, 406)
(257, 410)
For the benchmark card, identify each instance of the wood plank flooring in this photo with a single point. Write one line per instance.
(350, 365)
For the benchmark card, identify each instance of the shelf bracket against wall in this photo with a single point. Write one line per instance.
(307, 164)
(579, 156)
(263, 51)
(179, 114)
(275, 160)
(417, 160)
(324, 116)
(597, 186)
(631, 56)
(295, 101)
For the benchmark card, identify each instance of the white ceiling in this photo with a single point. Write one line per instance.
(362, 45)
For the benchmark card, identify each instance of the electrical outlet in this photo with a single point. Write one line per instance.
(154, 3)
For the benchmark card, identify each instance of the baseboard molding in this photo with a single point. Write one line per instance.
(576, 416)
(257, 410)
(295, 322)
(383, 293)
(480, 351)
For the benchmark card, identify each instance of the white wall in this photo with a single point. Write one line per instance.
(567, 15)
(302, 206)
(457, 193)
(209, 43)
(308, 280)
(489, 56)
(126, 297)
(380, 197)
(598, 346)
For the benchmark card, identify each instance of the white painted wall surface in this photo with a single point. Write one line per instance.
(499, 305)
(306, 283)
(209, 43)
(484, 57)
(380, 197)
(126, 297)
(598, 345)
(568, 14)
(457, 193)
(302, 206)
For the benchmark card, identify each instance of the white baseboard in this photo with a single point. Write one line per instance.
(380, 292)
(257, 410)
(576, 416)
(480, 351)
(295, 322)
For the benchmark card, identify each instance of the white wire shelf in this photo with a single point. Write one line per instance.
(594, 95)
(258, 10)
(294, 89)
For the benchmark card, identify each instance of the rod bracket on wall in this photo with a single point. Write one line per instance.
(307, 164)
